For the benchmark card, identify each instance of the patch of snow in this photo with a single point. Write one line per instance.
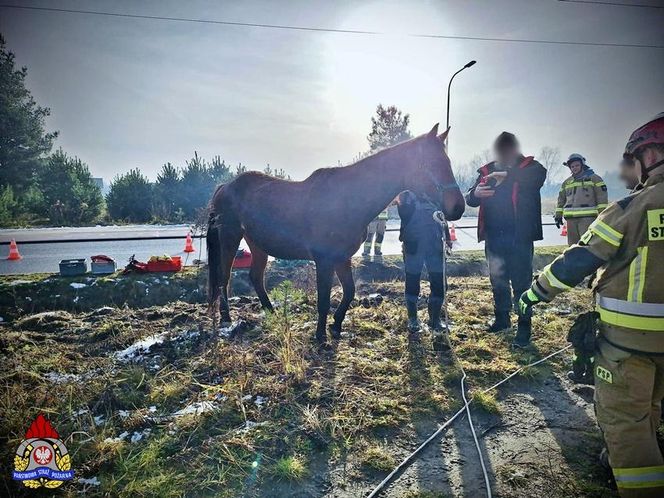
(93, 481)
(99, 420)
(80, 412)
(249, 425)
(196, 408)
(123, 413)
(77, 285)
(260, 401)
(247, 397)
(18, 282)
(152, 409)
(118, 439)
(137, 436)
(58, 378)
(139, 348)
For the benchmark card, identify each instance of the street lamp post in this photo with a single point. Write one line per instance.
(449, 86)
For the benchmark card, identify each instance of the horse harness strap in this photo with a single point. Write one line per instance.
(441, 187)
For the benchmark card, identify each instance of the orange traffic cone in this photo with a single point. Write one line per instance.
(189, 244)
(453, 236)
(14, 255)
(563, 232)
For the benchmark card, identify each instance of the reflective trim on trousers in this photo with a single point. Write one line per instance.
(639, 477)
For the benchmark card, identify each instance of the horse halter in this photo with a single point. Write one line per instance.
(440, 187)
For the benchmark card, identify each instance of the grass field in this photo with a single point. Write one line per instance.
(151, 402)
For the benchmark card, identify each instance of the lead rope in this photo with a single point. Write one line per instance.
(440, 218)
(465, 408)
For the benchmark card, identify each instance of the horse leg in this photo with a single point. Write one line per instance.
(345, 273)
(324, 274)
(230, 238)
(257, 273)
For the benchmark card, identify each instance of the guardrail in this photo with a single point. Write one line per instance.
(165, 237)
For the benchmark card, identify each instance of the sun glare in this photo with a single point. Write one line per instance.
(363, 70)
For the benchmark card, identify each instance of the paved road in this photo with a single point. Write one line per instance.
(45, 257)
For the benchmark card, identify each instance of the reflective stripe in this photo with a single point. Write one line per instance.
(639, 477)
(587, 183)
(570, 212)
(637, 275)
(604, 231)
(602, 206)
(630, 308)
(559, 210)
(631, 315)
(553, 280)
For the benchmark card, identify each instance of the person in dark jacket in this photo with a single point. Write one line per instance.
(507, 192)
(422, 244)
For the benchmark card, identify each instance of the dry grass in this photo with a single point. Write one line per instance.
(275, 400)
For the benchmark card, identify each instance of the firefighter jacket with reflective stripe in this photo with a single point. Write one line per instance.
(582, 196)
(626, 242)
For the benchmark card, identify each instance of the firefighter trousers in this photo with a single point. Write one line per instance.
(628, 393)
(375, 229)
(576, 227)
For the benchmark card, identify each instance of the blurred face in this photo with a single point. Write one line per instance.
(575, 167)
(628, 174)
(507, 156)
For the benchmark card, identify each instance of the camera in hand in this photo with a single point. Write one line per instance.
(489, 181)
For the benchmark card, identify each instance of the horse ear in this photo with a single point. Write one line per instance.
(433, 132)
(443, 136)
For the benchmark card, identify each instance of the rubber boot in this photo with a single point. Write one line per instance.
(501, 323)
(413, 322)
(523, 332)
(435, 308)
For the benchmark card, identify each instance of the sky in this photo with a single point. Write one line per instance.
(128, 93)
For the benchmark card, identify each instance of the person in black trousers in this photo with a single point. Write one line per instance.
(507, 192)
(422, 244)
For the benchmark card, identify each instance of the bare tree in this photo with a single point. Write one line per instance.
(467, 173)
(550, 159)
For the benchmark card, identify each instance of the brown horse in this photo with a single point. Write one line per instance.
(323, 218)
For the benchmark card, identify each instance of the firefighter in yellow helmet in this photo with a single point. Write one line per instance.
(626, 242)
(582, 197)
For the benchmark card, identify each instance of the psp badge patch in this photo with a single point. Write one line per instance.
(42, 459)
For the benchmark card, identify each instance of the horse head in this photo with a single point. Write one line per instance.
(430, 173)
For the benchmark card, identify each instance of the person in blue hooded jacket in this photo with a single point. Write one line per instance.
(421, 237)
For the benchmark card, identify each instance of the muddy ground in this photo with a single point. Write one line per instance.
(151, 401)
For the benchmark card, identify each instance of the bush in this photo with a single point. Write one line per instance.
(130, 198)
(67, 192)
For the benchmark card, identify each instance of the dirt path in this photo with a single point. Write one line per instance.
(542, 438)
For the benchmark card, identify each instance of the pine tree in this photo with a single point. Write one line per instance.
(388, 127)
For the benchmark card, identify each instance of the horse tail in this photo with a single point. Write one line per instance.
(213, 244)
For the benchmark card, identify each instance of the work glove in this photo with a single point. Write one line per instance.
(527, 300)
(559, 221)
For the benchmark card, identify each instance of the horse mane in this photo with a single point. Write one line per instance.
(322, 173)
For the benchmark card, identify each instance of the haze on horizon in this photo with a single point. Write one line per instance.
(128, 93)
